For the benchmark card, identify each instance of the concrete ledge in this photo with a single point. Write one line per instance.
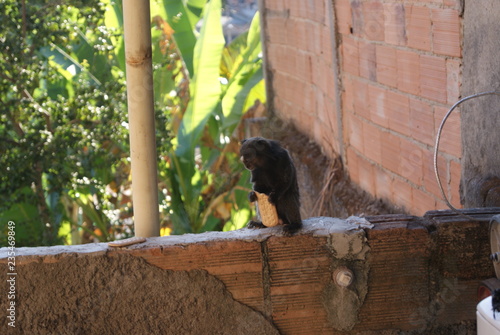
(416, 274)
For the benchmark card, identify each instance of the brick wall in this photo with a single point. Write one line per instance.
(370, 80)
(411, 274)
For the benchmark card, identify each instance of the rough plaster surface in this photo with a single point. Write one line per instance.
(318, 226)
(125, 295)
(481, 116)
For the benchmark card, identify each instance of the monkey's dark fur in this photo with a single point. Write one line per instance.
(273, 173)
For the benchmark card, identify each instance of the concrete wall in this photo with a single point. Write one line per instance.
(370, 80)
(481, 116)
(411, 274)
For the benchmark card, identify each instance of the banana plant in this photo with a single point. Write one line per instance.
(207, 184)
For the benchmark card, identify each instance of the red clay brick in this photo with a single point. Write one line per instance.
(276, 30)
(394, 14)
(371, 142)
(383, 183)
(348, 95)
(324, 49)
(402, 193)
(391, 148)
(361, 99)
(453, 80)
(343, 16)
(408, 64)
(357, 18)
(366, 176)
(353, 165)
(350, 56)
(421, 121)
(446, 32)
(411, 162)
(378, 109)
(303, 64)
(373, 20)
(398, 111)
(354, 131)
(367, 61)
(387, 73)
(451, 138)
(429, 178)
(433, 80)
(422, 202)
(418, 27)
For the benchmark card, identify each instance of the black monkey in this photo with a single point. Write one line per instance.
(273, 173)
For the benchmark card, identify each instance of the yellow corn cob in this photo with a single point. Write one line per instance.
(267, 210)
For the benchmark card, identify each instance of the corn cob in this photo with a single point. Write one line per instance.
(267, 210)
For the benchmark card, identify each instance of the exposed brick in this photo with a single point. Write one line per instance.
(408, 64)
(355, 131)
(378, 109)
(402, 193)
(453, 80)
(391, 149)
(387, 73)
(353, 165)
(226, 260)
(433, 80)
(399, 277)
(451, 138)
(371, 142)
(277, 30)
(446, 32)
(357, 17)
(324, 49)
(422, 201)
(366, 176)
(303, 64)
(367, 61)
(361, 99)
(348, 95)
(429, 177)
(383, 184)
(373, 20)
(418, 27)
(350, 56)
(411, 162)
(421, 121)
(343, 16)
(395, 32)
(398, 110)
(319, 75)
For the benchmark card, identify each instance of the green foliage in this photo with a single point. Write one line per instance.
(64, 132)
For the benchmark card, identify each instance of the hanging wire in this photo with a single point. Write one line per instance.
(436, 150)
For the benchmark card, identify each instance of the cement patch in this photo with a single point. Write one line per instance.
(119, 295)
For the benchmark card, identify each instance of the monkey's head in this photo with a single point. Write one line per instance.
(256, 152)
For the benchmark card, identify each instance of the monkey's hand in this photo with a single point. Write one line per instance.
(255, 224)
(252, 197)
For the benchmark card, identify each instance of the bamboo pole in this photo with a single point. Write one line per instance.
(138, 53)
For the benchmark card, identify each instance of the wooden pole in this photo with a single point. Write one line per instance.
(138, 57)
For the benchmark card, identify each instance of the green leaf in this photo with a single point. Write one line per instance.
(248, 73)
(179, 19)
(205, 87)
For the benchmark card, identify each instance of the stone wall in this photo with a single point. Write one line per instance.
(413, 274)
